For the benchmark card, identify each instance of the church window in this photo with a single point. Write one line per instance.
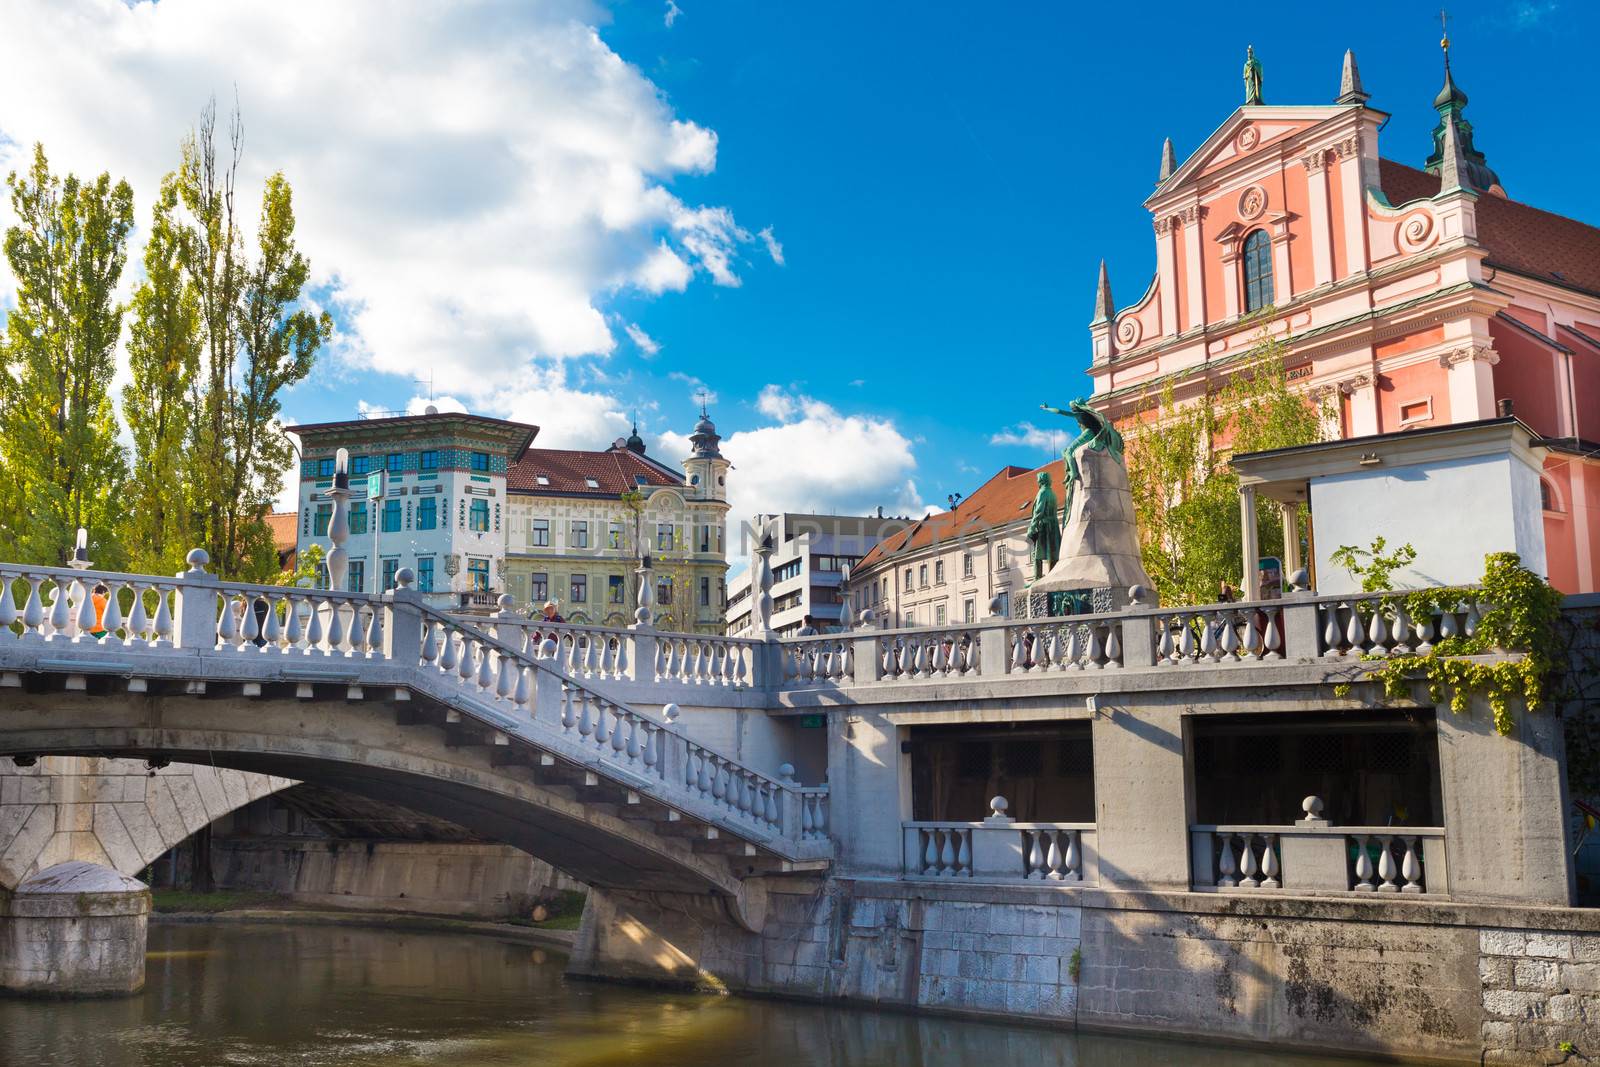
(1257, 271)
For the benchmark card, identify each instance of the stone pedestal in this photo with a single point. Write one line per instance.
(74, 930)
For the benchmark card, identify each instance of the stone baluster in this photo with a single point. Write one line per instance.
(1411, 868)
(1387, 870)
(1247, 863)
(1363, 865)
(1330, 630)
(1269, 864)
(1225, 862)
(138, 619)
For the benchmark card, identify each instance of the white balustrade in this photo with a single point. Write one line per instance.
(738, 791)
(938, 653)
(1051, 853)
(942, 851)
(1072, 643)
(813, 660)
(1378, 624)
(1311, 857)
(299, 622)
(1000, 849)
(125, 611)
(697, 659)
(1218, 633)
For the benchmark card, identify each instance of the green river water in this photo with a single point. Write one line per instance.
(221, 995)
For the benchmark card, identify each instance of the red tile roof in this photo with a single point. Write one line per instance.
(284, 526)
(1519, 238)
(1005, 498)
(615, 471)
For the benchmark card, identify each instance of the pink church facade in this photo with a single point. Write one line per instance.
(1408, 297)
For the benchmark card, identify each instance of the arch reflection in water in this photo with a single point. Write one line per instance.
(336, 996)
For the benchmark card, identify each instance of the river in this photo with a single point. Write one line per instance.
(220, 995)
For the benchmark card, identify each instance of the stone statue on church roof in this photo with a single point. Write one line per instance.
(1252, 77)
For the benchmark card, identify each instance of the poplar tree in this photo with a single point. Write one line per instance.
(255, 341)
(60, 464)
(163, 360)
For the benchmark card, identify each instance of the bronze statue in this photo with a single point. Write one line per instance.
(1044, 528)
(1098, 433)
(1252, 77)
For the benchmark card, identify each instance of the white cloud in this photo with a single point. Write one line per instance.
(646, 344)
(673, 11)
(1030, 436)
(472, 182)
(774, 246)
(813, 457)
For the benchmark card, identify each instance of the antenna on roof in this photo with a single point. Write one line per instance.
(429, 381)
(703, 397)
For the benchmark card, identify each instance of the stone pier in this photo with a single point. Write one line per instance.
(75, 929)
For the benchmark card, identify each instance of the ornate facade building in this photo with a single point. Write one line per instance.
(575, 540)
(1407, 296)
(476, 512)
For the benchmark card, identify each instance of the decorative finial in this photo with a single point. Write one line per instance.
(1350, 91)
(1453, 138)
(1169, 161)
(1444, 36)
(1103, 308)
(1252, 78)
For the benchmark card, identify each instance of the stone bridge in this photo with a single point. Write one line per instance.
(385, 698)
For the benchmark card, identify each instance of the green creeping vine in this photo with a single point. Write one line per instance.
(1520, 612)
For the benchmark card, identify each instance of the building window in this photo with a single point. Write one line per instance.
(966, 564)
(480, 516)
(705, 592)
(705, 539)
(425, 574)
(938, 572)
(580, 534)
(922, 575)
(591, 483)
(908, 578)
(1547, 497)
(539, 537)
(614, 588)
(357, 575)
(480, 461)
(391, 567)
(969, 610)
(1000, 557)
(939, 616)
(394, 462)
(360, 464)
(428, 461)
(1257, 271)
(427, 514)
(541, 588)
(580, 588)
(1003, 605)
(358, 518)
(478, 573)
(325, 467)
(614, 538)
(391, 516)
(664, 536)
(319, 523)
(664, 592)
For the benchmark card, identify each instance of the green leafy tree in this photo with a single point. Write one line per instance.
(256, 340)
(1186, 495)
(1373, 567)
(163, 358)
(60, 464)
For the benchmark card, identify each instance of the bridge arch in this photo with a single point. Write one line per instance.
(406, 750)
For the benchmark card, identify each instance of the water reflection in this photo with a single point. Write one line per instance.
(319, 995)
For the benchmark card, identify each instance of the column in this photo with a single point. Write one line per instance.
(1251, 551)
(1167, 266)
(1352, 195)
(1291, 538)
(1283, 287)
(1316, 165)
(1193, 267)
(1471, 379)
(1363, 404)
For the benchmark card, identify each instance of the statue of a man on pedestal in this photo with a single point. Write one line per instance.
(1044, 528)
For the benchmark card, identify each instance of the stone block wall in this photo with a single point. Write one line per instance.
(1541, 989)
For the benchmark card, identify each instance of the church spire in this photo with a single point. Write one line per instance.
(1103, 307)
(1169, 161)
(1350, 91)
(1452, 141)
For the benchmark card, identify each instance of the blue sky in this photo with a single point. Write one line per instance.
(942, 181)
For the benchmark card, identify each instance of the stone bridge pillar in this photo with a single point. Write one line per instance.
(687, 940)
(76, 929)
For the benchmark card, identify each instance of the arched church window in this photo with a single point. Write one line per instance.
(1257, 271)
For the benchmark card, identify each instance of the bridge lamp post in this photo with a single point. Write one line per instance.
(339, 523)
(78, 593)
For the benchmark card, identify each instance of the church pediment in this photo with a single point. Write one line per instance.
(1244, 133)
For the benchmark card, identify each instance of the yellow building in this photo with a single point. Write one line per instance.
(580, 520)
